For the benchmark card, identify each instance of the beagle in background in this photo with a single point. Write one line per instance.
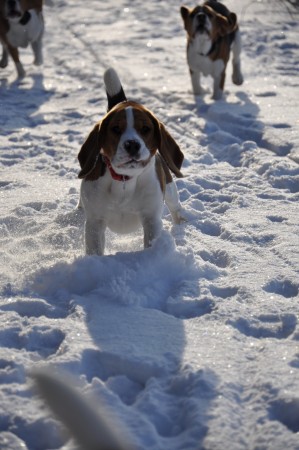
(212, 33)
(125, 169)
(21, 24)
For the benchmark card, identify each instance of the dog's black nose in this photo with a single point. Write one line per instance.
(201, 18)
(132, 147)
(11, 3)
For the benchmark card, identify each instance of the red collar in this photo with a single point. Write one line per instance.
(115, 176)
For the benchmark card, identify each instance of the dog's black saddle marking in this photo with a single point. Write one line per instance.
(25, 18)
(115, 99)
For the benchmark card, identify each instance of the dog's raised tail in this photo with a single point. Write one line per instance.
(114, 89)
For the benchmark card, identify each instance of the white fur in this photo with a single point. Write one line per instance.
(92, 426)
(200, 64)
(173, 203)
(237, 76)
(112, 82)
(124, 206)
(22, 35)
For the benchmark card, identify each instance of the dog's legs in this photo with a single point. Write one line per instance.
(95, 237)
(173, 203)
(218, 78)
(14, 52)
(152, 228)
(4, 59)
(237, 76)
(195, 80)
(37, 51)
(218, 86)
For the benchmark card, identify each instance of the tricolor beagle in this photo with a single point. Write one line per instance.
(212, 31)
(21, 24)
(125, 180)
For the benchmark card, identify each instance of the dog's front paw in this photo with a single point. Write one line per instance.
(38, 61)
(237, 76)
(237, 79)
(20, 70)
(199, 91)
(217, 95)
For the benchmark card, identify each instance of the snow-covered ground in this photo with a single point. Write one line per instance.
(194, 343)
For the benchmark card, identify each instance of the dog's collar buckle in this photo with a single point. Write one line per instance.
(25, 18)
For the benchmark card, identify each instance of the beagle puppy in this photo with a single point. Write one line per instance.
(212, 32)
(125, 167)
(21, 24)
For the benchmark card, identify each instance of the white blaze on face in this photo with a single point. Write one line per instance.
(202, 41)
(207, 23)
(130, 133)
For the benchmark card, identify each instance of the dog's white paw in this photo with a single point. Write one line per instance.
(237, 76)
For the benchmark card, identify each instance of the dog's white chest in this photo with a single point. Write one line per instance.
(21, 35)
(200, 63)
(123, 205)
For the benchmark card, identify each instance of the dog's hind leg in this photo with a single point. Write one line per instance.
(14, 52)
(37, 51)
(173, 203)
(152, 227)
(4, 58)
(237, 76)
(95, 237)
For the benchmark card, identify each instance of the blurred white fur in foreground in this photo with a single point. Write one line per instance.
(91, 426)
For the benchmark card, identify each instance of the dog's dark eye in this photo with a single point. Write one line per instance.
(116, 130)
(145, 130)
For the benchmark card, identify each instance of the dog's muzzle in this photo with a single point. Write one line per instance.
(200, 22)
(12, 10)
(132, 147)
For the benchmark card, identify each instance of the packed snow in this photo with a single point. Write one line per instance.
(193, 343)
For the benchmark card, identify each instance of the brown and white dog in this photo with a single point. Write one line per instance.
(21, 24)
(125, 166)
(212, 32)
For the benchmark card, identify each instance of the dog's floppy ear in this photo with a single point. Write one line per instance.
(185, 14)
(225, 23)
(168, 148)
(232, 22)
(32, 4)
(92, 166)
(170, 151)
